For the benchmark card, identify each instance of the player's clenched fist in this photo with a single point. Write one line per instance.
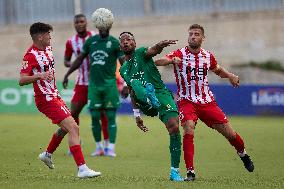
(140, 124)
(48, 76)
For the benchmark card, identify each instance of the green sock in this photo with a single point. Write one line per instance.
(111, 127)
(96, 125)
(175, 149)
(140, 91)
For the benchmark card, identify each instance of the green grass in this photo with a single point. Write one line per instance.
(142, 158)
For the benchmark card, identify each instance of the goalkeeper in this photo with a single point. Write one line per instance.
(150, 94)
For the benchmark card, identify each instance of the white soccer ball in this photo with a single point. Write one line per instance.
(102, 18)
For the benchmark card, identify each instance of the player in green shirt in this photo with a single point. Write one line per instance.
(149, 94)
(103, 51)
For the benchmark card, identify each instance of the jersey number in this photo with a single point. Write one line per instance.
(65, 109)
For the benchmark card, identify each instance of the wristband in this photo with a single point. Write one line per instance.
(136, 113)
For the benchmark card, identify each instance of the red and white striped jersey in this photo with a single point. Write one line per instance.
(192, 75)
(38, 61)
(74, 46)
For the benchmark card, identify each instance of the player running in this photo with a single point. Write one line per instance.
(38, 69)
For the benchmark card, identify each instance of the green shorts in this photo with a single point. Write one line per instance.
(167, 109)
(103, 97)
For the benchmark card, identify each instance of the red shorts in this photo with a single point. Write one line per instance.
(208, 113)
(80, 94)
(56, 109)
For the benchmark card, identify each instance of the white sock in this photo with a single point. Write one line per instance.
(82, 167)
(106, 143)
(99, 145)
(48, 154)
(111, 146)
(242, 154)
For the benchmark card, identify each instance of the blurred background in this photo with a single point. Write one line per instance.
(246, 37)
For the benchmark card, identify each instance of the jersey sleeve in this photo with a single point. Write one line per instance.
(68, 49)
(213, 62)
(86, 46)
(173, 54)
(29, 62)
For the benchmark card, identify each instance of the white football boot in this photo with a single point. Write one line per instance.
(88, 173)
(46, 159)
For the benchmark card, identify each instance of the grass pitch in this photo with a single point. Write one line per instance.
(142, 158)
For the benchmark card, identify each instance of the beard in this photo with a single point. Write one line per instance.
(194, 45)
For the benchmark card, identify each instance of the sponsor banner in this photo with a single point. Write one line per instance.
(248, 99)
(245, 100)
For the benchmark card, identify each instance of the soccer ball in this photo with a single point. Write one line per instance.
(102, 19)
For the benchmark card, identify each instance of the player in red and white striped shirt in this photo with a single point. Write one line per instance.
(74, 46)
(38, 69)
(195, 100)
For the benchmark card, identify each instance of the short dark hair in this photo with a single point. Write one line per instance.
(126, 32)
(39, 27)
(197, 26)
(79, 16)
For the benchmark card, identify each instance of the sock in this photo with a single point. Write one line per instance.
(242, 154)
(83, 167)
(77, 154)
(111, 146)
(175, 149)
(139, 89)
(99, 145)
(112, 129)
(106, 143)
(188, 149)
(104, 126)
(54, 143)
(238, 143)
(96, 125)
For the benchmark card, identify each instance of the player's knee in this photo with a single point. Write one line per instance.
(73, 129)
(172, 126)
(96, 114)
(188, 127)
(111, 115)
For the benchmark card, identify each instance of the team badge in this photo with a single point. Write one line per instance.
(108, 44)
(25, 64)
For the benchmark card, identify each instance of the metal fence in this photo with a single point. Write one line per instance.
(28, 11)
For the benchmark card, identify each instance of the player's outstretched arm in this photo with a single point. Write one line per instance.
(74, 66)
(166, 61)
(158, 48)
(26, 79)
(223, 73)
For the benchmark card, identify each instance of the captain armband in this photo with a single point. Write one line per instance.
(136, 113)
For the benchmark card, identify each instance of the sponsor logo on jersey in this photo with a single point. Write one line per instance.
(99, 57)
(108, 44)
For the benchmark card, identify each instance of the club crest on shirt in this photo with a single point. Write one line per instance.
(25, 64)
(108, 44)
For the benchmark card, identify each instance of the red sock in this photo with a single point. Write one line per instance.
(77, 120)
(77, 154)
(104, 125)
(238, 143)
(54, 143)
(188, 149)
